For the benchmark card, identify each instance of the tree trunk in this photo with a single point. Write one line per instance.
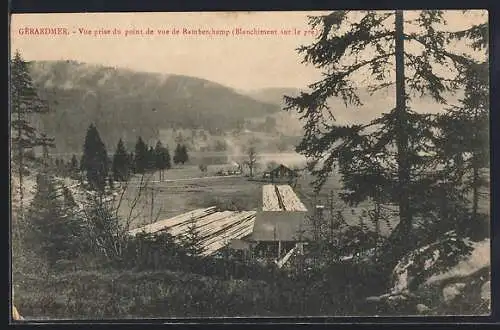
(401, 238)
(402, 135)
(475, 188)
(20, 161)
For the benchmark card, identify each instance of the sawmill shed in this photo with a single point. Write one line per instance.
(271, 232)
(216, 229)
(281, 173)
(281, 223)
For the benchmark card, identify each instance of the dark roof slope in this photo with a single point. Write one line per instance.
(280, 225)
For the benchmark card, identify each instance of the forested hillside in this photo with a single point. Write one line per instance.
(127, 104)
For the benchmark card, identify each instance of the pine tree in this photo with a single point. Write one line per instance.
(184, 154)
(74, 168)
(95, 160)
(121, 168)
(386, 156)
(464, 138)
(141, 156)
(167, 159)
(131, 162)
(151, 159)
(162, 159)
(55, 231)
(191, 241)
(25, 104)
(178, 155)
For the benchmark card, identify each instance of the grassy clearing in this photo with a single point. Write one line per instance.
(173, 198)
(126, 294)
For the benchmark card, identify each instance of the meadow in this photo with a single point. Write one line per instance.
(188, 190)
(185, 188)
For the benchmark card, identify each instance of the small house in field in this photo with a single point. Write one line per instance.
(281, 173)
(229, 169)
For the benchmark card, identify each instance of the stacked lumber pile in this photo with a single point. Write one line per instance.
(291, 201)
(269, 199)
(173, 222)
(280, 198)
(215, 229)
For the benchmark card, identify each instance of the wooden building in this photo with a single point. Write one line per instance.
(281, 173)
(280, 224)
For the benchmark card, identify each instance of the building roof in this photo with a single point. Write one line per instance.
(215, 229)
(280, 198)
(281, 226)
(228, 167)
(282, 166)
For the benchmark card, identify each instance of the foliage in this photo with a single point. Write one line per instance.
(140, 156)
(74, 168)
(105, 233)
(464, 139)
(120, 165)
(391, 158)
(203, 168)
(162, 158)
(191, 241)
(181, 155)
(55, 230)
(25, 104)
(436, 257)
(251, 161)
(95, 160)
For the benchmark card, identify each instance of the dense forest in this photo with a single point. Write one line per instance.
(126, 104)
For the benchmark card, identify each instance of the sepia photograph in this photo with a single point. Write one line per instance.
(249, 164)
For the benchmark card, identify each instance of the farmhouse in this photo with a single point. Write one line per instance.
(229, 169)
(281, 172)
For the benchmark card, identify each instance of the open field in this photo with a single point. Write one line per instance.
(172, 198)
(186, 188)
(263, 158)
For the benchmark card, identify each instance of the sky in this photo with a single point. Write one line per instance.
(242, 62)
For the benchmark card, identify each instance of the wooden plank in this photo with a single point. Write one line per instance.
(199, 223)
(216, 245)
(214, 228)
(283, 261)
(181, 219)
(229, 222)
(290, 200)
(243, 222)
(269, 198)
(234, 227)
(172, 222)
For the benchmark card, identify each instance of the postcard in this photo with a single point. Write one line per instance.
(249, 164)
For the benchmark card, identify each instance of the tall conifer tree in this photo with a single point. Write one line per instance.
(389, 157)
(25, 103)
(95, 160)
(141, 156)
(121, 166)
